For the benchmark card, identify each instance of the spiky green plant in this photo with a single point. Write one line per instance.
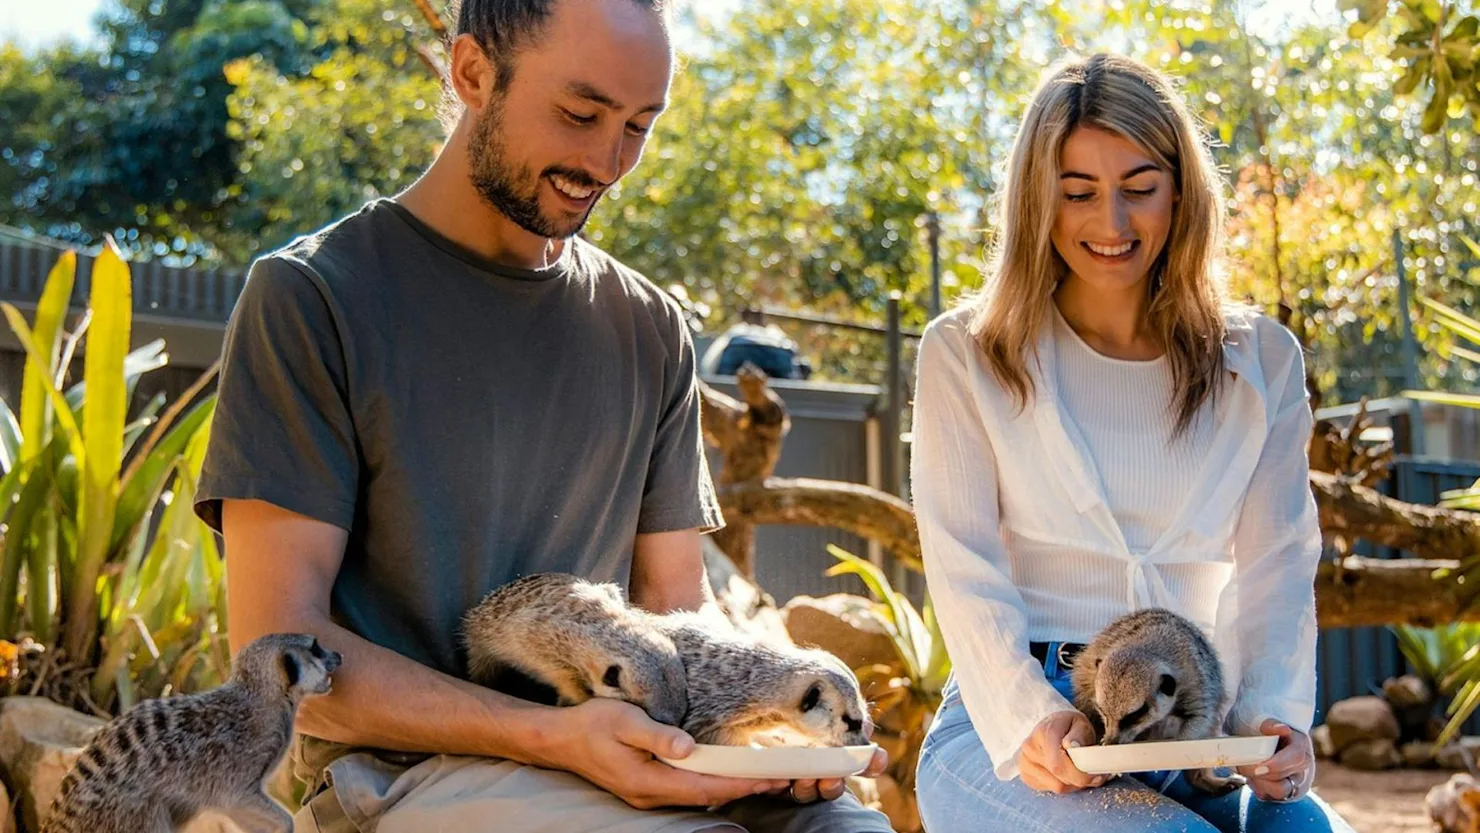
(124, 604)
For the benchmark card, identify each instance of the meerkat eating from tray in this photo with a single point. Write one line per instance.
(1153, 675)
(743, 692)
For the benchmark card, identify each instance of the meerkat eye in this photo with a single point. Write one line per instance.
(1134, 716)
(812, 697)
(1168, 685)
(613, 677)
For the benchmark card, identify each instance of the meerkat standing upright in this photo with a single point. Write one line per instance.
(1153, 675)
(744, 692)
(158, 765)
(576, 637)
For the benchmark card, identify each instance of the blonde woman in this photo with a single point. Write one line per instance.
(1100, 432)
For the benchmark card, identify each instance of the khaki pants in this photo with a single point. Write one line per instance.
(358, 791)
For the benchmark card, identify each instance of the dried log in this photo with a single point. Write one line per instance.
(1368, 592)
(1356, 511)
(748, 434)
(851, 507)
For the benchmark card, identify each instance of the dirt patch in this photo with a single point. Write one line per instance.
(1379, 802)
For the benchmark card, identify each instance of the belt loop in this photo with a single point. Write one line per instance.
(1051, 660)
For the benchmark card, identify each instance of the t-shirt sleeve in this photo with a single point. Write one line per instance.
(282, 431)
(679, 492)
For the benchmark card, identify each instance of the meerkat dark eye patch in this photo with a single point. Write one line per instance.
(291, 669)
(613, 677)
(1134, 716)
(1168, 684)
(812, 697)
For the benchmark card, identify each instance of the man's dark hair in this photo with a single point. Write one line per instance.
(502, 28)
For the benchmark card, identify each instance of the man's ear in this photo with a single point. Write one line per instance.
(473, 76)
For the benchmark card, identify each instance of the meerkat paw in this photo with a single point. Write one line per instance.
(1209, 781)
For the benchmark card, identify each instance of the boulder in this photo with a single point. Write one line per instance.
(1361, 718)
(899, 805)
(1372, 754)
(1418, 754)
(749, 608)
(7, 813)
(1320, 738)
(1452, 756)
(841, 624)
(39, 742)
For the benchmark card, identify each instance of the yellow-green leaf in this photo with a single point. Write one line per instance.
(51, 310)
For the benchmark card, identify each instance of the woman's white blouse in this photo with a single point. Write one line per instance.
(1021, 542)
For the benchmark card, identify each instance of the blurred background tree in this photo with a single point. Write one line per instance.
(808, 144)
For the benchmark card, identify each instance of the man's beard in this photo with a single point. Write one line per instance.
(512, 189)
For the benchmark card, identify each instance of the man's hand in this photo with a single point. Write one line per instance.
(827, 789)
(612, 744)
(1043, 762)
(1288, 774)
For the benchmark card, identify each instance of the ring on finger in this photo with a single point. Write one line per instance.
(1294, 787)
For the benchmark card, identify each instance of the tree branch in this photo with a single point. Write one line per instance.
(1369, 592)
(851, 507)
(1426, 531)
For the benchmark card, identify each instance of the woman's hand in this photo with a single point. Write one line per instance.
(1288, 774)
(1043, 762)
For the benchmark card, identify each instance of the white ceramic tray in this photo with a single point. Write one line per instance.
(1148, 756)
(790, 762)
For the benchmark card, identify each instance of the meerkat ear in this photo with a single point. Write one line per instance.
(613, 677)
(812, 697)
(1168, 684)
(291, 669)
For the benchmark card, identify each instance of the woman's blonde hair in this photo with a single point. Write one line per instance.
(1186, 303)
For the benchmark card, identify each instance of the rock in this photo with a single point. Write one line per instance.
(1452, 756)
(1372, 754)
(1406, 691)
(842, 624)
(1454, 805)
(39, 742)
(1418, 754)
(1361, 718)
(7, 813)
(1320, 738)
(899, 805)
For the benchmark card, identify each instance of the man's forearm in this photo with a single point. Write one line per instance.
(385, 700)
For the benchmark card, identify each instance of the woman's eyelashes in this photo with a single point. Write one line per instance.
(1134, 193)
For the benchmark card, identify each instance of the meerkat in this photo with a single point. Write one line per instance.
(574, 640)
(158, 765)
(744, 692)
(1153, 675)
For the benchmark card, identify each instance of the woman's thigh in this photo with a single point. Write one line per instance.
(1241, 812)
(958, 793)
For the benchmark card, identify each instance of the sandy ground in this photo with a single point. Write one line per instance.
(1379, 802)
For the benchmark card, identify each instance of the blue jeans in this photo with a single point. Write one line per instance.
(958, 793)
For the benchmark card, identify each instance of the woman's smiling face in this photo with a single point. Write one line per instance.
(1115, 209)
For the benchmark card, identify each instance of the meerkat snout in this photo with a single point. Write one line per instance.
(294, 664)
(832, 712)
(1133, 693)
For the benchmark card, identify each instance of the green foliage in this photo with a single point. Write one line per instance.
(1439, 43)
(902, 704)
(82, 555)
(358, 124)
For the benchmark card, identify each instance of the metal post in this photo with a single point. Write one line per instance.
(1410, 351)
(933, 224)
(893, 410)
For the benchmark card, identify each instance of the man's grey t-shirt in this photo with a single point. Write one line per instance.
(466, 422)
